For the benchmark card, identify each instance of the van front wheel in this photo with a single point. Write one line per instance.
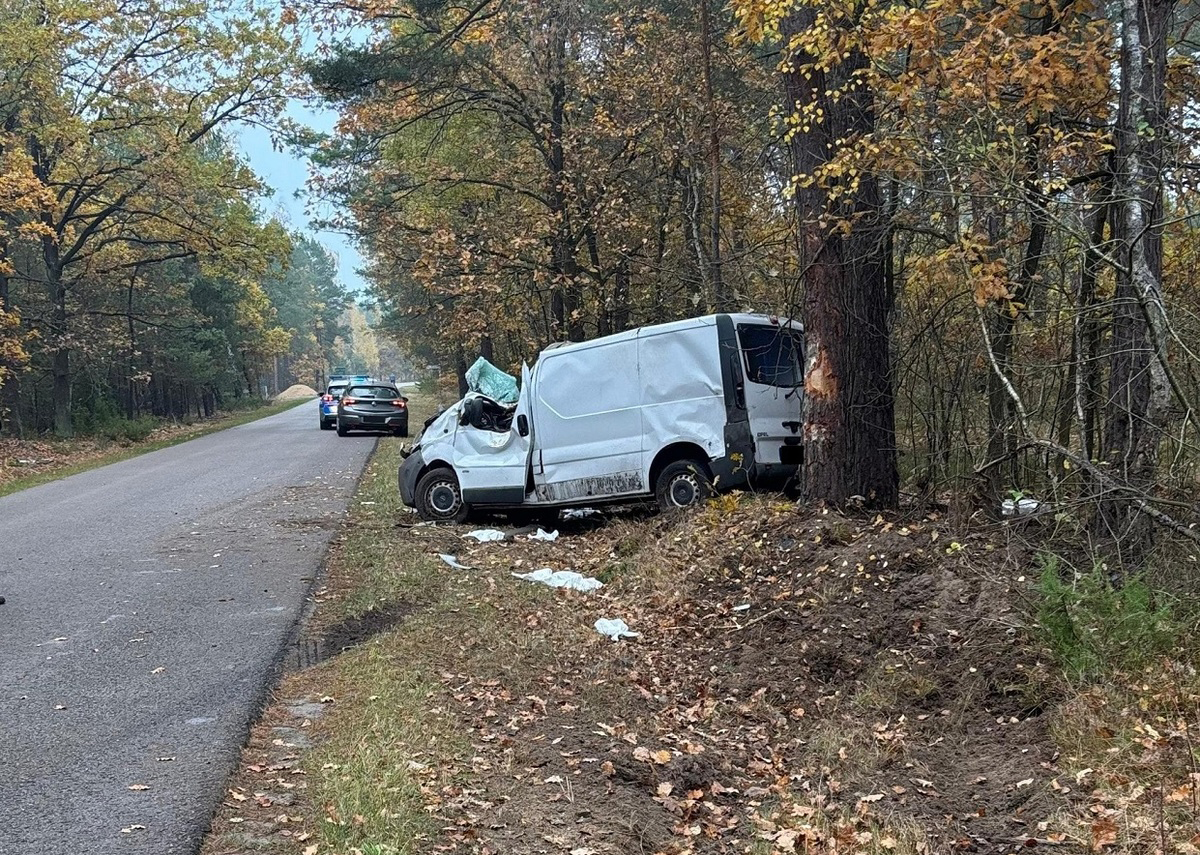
(439, 498)
(682, 484)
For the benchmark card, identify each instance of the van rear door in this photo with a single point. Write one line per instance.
(773, 360)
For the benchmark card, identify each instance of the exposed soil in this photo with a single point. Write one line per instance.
(801, 678)
(803, 682)
(324, 643)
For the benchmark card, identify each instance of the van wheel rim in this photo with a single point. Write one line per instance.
(684, 490)
(443, 497)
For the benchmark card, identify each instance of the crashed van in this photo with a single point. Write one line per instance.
(670, 412)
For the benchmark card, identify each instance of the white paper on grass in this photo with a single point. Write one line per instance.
(615, 628)
(562, 579)
(452, 561)
(542, 534)
(579, 513)
(486, 535)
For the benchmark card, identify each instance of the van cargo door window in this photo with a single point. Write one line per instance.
(772, 356)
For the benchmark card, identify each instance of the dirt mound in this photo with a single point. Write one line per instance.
(296, 392)
(804, 681)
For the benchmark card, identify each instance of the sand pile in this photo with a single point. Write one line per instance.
(295, 393)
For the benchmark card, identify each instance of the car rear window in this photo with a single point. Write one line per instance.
(336, 391)
(381, 392)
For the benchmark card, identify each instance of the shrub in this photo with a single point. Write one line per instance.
(1094, 627)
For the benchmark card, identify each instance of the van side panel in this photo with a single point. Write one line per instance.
(683, 396)
(589, 431)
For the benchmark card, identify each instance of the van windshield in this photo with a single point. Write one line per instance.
(772, 355)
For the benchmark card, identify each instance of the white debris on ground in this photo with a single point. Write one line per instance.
(1020, 507)
(615, 628)
(453, 562)
(542, 534)
(562, 579)
(579, 513)
(486, 535)
(296, 392)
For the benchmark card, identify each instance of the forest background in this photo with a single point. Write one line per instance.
(982, 212)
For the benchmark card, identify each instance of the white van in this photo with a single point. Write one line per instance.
(669, 412)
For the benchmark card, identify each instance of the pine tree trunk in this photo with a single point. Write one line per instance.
(849, 420)
(1139, 389)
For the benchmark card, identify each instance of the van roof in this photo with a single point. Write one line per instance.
(687, 323)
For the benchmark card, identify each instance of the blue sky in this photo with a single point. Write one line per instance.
(287, 173)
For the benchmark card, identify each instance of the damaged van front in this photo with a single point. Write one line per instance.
(472, 453)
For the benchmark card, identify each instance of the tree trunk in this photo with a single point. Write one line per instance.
(10, 400)
(849, 419)
(61, 359)
(460, 369)
(565, 297)
(721, 294)
(1139, 388)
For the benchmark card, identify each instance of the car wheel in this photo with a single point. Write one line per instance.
(325, 425)
(439, 498)
(682, 484)
(341, 429)
(400, 431)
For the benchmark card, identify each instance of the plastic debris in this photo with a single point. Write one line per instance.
(487, 379)
(1020, 507)
(486, 535)
(562, 579)
(742, 608)
(579, 513)
(542, 534)
(615, 628)
(453, 562)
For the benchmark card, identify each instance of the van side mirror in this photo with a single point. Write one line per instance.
(523, 424)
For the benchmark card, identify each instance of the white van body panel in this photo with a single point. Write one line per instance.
(686, 400)
(599, 413)
(586, 406)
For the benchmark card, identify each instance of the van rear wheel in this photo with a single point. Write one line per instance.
(439, 497)
(682, 484)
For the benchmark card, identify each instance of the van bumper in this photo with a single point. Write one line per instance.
(406, 477)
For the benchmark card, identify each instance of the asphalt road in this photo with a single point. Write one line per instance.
(148, 604)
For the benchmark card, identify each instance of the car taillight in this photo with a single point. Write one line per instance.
(327, 398)
(399, 404)
(348, 401)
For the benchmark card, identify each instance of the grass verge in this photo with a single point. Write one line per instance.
(390, 749)
(102, 456)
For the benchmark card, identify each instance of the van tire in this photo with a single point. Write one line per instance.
(439, 498)
(682, 484)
